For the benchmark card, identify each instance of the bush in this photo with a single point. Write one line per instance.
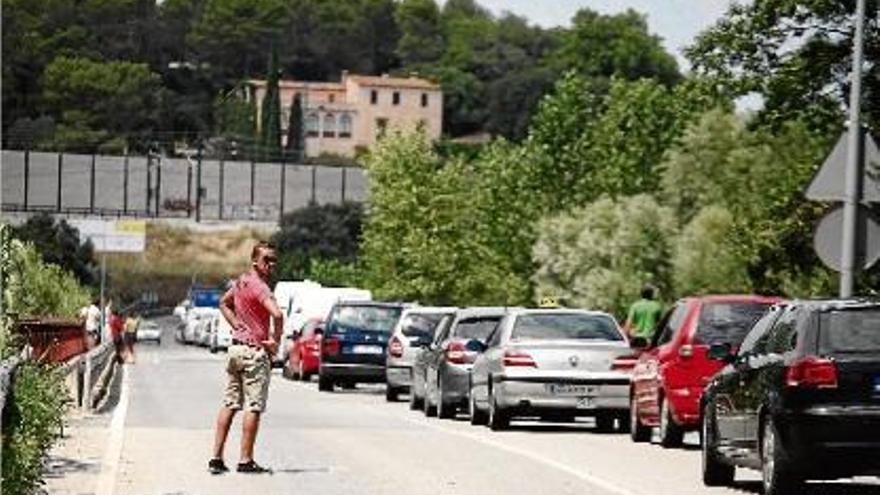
(706, 261)
(31, 423)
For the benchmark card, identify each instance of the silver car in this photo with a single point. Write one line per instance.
(555, 364)
(441, 376)
(413, 331)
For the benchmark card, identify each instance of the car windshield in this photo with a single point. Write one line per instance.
(476, 328)
(850, 331)
(371, 318)
(421, 324)
(728, 323)
(565, 326)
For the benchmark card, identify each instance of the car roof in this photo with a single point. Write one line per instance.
(373, 304)
(431, 309)
(478, 311)
(541, 311)
(836, 304)
(717, 298)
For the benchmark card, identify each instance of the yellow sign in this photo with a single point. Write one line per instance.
(549, 302)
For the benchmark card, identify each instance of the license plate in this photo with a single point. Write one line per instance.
(566, 389)
(586, 403)
(366, 349)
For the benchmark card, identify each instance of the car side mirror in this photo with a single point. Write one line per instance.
(721, 352)
(638, 343)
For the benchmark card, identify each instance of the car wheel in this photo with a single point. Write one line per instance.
(499, 418)
(637, 431)
(477, 417)
(325, 384)
(391, 394)
(777, 476)
(444, 409)
(158, 341)
(622, 422)
(604, 422)
(213, 348)
(415, 403)
(715, 472)
(429, 409)
(671, 435)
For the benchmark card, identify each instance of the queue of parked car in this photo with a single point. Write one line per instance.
(789, 388)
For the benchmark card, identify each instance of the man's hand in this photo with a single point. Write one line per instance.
(270, 346)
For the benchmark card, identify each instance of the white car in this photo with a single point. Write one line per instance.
(149, 330)
(221, 333)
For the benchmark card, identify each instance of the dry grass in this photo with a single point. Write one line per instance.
(176, 257)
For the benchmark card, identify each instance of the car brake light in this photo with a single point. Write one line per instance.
(686, 351)
(457, 353)
(330, 346)
(395, 347)
(624, 363)
(518, 358)
(812, 372)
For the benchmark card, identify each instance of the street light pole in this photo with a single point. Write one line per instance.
(853, 161)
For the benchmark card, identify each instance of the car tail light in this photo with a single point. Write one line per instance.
(624, 363)
(518, 358)
(812, 372)
(330, 346)
(395, 347)
(686, 351)
(457, 353)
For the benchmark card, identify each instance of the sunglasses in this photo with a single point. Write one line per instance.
(269, 259)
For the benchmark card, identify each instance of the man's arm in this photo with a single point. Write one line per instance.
(628, 324)
(277, 322)
(227, 309)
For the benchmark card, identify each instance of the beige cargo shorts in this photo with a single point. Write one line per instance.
(247, 378)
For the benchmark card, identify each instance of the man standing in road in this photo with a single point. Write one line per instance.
(248, 307)
(643, 315)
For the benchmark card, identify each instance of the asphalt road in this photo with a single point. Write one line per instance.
(355, 442)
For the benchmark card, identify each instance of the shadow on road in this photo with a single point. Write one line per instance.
(59, 467)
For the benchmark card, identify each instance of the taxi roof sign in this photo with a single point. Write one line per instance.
(549, 302)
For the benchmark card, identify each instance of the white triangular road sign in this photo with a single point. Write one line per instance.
(829, 183)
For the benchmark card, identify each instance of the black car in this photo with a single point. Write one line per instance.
(354, 343)
(800, 399)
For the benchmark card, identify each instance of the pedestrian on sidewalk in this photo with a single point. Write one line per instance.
(131, 325)
(248, 307)
(643, 316)
(117, 327)
(92, 316)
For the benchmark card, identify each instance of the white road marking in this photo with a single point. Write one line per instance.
(587, 477)
(110, 463)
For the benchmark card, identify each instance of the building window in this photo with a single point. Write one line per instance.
(312, 125)
(395, 98)
(345, 126)
(374, 97)
(329, 125)
(381, 127)
(424, 99)
(331, 98)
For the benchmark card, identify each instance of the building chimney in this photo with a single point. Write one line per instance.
(384, 75)
(344, 76)
(413, 74)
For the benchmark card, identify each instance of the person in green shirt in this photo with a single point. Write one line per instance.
(643, 315)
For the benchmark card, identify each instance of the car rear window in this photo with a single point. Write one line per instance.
(728, 323)
(476, 328)
(420, 324)
(371, 318)
(850, 331)
(565, 326)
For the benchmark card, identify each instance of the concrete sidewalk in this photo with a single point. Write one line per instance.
(74, 464)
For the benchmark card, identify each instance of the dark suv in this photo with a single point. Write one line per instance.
(801, 398)
(354, 343)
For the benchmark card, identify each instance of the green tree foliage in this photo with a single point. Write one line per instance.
(295, 146)
(421, 33)
(600, 46)
(706, 261)
(757, 175)
(601, 255)
(318, 233)
(36, 288)
(797, 54)
(94, 101)
(422, 240)
(270, 114)
(59, 244)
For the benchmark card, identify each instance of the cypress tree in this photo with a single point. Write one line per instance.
(270, 122)
(295, 141)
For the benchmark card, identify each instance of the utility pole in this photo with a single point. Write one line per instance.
(853, 161)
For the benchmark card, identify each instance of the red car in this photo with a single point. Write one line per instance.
(669, 377)
(304, 357)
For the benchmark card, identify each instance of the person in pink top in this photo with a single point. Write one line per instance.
(248, 306)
